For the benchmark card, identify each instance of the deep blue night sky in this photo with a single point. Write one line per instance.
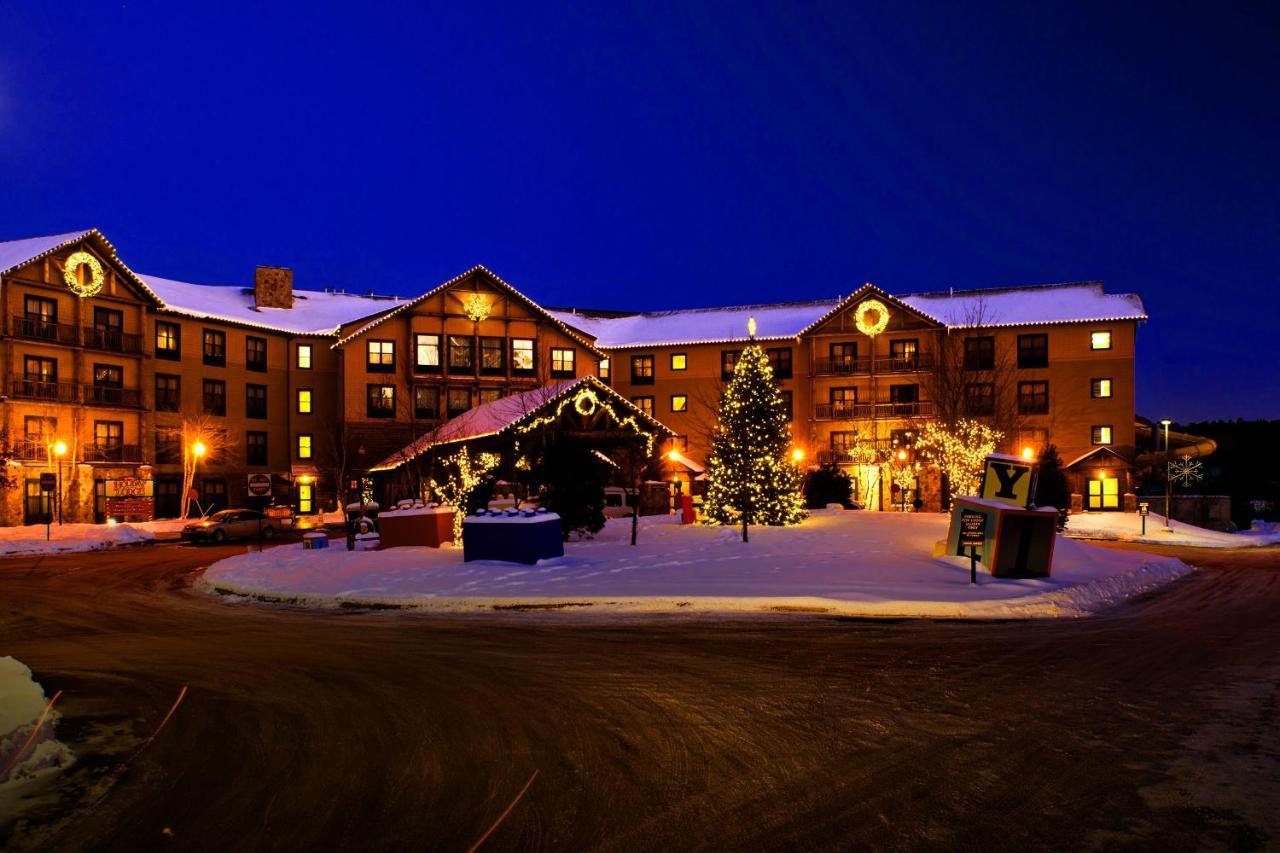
(670, 156)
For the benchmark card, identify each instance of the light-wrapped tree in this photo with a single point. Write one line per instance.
(958, 451)
(752, 479)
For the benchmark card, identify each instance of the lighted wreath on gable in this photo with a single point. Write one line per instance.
(872, 317)
(71, 274)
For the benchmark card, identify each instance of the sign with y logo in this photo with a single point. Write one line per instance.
(1010, 480)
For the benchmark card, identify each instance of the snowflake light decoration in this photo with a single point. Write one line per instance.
(1185, 471)
(476, 307)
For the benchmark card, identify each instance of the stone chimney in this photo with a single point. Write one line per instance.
(273, 287)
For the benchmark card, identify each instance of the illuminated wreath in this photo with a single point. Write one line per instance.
(585, 403)
(74, 262)
(872, 317)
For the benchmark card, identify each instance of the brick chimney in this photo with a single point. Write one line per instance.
(273, 287)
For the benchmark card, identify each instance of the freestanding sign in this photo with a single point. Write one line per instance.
(130, 496)
(259, 485)
(973, 535)
(48, 482)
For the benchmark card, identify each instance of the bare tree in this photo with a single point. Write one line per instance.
(201, 439)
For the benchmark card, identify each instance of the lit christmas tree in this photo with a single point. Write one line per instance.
(752, 477)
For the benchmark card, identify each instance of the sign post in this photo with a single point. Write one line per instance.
(259, 488)
(973, 534)
(1143, 509)
(49, 482)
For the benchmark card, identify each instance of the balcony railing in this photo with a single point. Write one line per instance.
(112, 340)
(112, 395)
(883, 364)
(112, 453)
(841, 366)
(904, 363)
(32, 450)
(36, 329)
(853, 411)
(50, 392)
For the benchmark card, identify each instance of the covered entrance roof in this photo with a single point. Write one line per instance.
(585, 403)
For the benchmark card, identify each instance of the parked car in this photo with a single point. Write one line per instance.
(232, 524)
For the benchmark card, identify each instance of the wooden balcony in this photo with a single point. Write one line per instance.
(34, 329)
(111, 395)
(865, 411)
(112, 340)
(22, 388)
(883, 364)
(841, 366)
(32, 450)
(131, 453)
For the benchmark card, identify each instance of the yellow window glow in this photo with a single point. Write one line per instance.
(1100, 340)
(679, 361)
(679, 403)
(304, 356)
(304, 447)
(304, 401)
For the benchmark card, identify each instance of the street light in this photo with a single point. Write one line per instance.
(1027, 453)
(797, 455)
(1168, 481)
(59, 452)
(198, 449)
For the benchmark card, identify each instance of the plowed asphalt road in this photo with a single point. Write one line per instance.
(1154, 727)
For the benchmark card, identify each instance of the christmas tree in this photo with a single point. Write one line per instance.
(752, 479)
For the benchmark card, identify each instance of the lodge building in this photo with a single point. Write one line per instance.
(113, 375)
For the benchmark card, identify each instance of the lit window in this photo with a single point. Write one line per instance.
(304, 356)
(306, 502)
(679, 361)
(1100, 388)
(304, 447)
(604, 369)
(426, 353)
(381, 401)
(381, 356)
(679, 403)
(1101, 435)
(1100, 340)
(644, 404)
(561, 362)
(522, 355)
(304, 401)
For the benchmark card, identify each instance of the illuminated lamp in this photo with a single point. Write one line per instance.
(902, 456)
(59, 448)
(198, 449)
(797, 455)
(1027, 453)
(674, 456)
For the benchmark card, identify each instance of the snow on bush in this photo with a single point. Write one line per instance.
(24, 756)
(1127, 527)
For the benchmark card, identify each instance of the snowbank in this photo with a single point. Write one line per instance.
(853, 563)
(30, 539)
(24, 757)
(1127, 527)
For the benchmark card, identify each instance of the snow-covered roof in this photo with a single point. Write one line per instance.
(698, 325)
(498, 416)
(494, 278)
(314, 312)
(17, 253)
(1079, 302)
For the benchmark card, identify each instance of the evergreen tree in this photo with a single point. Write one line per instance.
(1051, 484)
(752, 479)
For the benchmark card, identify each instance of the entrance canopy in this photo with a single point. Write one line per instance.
(584, 405)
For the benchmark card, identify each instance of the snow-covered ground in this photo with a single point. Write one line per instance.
(838, 562)
(30, 539)
(26, 753)
(1127, 527)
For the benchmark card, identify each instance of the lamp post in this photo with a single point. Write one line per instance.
(59, 451)
(1168, 481)
(198, 451)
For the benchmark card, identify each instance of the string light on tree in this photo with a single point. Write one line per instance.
(959, 452)
(752, 473)
(464, 474)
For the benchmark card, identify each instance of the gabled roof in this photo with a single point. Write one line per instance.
(864, 292)
(19, 253)
(502, 285)
(1042, 304)
(1095, 451)
(506, 413)
(314, 312)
